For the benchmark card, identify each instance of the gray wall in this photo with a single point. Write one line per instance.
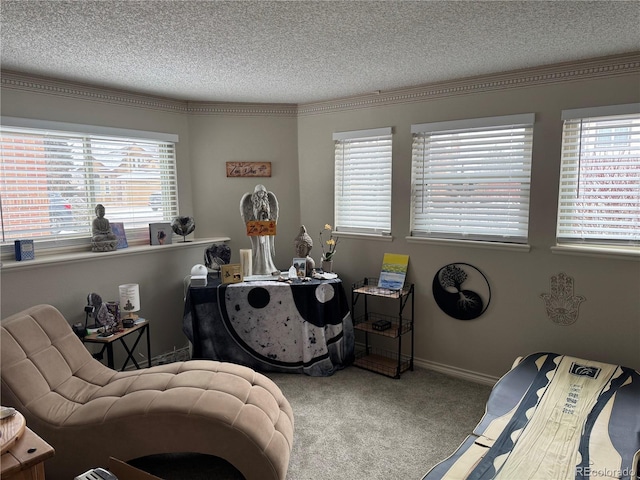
(206, 143)
(216, 139)
(515, 323)
(301, 151)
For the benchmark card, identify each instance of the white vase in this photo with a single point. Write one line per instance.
(327, 265)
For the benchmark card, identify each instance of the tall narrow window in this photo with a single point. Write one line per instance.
(599, 195)
(363, 181)
(53, 175)
(471, 179)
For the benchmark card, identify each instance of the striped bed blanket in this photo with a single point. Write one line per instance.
(554, 417)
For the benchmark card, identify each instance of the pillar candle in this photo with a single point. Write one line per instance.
(245, 261)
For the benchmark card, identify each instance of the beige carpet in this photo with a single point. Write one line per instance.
(358, 425)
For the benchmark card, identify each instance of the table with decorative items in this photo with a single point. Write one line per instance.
(141, 326)
(22, 452)
(277, 326)
(386, 362)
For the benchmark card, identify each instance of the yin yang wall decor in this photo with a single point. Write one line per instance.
(461, 291)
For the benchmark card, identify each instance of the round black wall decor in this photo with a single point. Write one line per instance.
(461, 291)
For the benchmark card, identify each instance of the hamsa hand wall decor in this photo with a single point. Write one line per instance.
(561, 304)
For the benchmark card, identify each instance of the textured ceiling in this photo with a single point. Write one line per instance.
(301, 51)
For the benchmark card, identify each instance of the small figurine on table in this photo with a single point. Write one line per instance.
(104, 318)
(304, 244)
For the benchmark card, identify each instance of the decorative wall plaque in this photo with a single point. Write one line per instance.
(248, 169)
(561, 304)
(461, 291)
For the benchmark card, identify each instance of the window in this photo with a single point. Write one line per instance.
(599, 195)
(53, 175)
(363, 181)
(471, 179)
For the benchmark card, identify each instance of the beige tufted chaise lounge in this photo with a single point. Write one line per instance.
(89, 412)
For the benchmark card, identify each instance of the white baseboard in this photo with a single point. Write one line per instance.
(457, 372)
(449, 370)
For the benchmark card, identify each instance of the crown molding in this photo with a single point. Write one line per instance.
(557, 73)
(242, 109)
(51, 86)
(626, 64)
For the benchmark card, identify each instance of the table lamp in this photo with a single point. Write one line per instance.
(129, 303)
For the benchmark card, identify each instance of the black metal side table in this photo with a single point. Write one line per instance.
(107, 344)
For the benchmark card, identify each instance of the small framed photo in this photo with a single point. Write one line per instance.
(301, 266)
(231, 273)
(160, 233)
(118, 230)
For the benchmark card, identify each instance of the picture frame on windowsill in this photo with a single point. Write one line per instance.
(160, 233)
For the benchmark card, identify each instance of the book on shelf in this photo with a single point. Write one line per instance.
(24, 250)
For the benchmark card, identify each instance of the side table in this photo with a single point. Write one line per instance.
(25, 452)
(107, 344)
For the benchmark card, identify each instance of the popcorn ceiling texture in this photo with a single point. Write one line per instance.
(301, 51)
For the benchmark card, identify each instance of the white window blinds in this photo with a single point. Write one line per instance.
(599, 194)
(471, 179)
(363, 181)
(52, 180)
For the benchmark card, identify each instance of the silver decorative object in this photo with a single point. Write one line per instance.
(183, 226)
(561, 304)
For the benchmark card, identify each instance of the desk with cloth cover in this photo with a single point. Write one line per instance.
(299, 327)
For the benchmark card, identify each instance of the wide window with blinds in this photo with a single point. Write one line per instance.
(363, 181)
(599, 194)
(471, 179)
(53, 175)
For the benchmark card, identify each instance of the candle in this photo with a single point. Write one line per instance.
(245, 261)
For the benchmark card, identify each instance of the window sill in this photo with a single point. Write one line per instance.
(616, 253)
(365, 236)
(43, 259)
(516, 247)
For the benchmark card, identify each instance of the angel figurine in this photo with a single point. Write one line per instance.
(261, 206)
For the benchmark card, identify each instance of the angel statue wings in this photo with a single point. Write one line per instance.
(261, 206)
